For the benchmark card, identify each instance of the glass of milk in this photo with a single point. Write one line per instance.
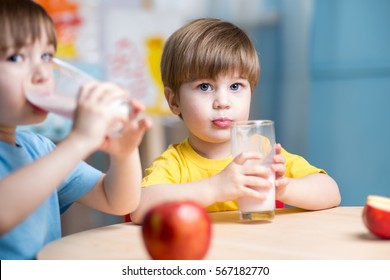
(256, 136)
(59, 94)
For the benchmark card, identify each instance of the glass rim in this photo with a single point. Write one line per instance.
(65, 66)
(253, 122)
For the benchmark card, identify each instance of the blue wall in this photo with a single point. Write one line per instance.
(348, 131)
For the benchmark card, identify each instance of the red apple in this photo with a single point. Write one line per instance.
(376, 215)
(179, 230)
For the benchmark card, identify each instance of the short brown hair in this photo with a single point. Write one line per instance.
(206, 48)
(21, 22)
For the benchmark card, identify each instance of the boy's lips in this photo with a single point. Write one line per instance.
(222, 122)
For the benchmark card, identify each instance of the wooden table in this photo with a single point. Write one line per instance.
(333, 234)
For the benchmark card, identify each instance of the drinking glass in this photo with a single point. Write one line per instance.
(256, 136)
(59, 94)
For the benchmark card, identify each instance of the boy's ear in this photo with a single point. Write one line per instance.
(172, 100)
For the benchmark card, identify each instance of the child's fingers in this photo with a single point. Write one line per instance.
(86, 90)
(284, 181)
(278, 148)
(136, 106)
(249, 192)
(255, 182)
(102, 92)
(279, 169)
(243, 157)
(257, 170)
(279, 159)
(107, 92)
(145, 124)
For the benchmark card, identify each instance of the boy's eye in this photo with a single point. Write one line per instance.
(204, 87)
(235, 87)
(15, 58)
(47, 57)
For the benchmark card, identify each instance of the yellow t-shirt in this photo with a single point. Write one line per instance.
(181, 164)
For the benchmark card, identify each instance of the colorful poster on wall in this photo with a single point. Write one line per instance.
(133, 41)
(67, 20)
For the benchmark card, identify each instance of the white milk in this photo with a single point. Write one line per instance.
(58, 104)
(65, 106)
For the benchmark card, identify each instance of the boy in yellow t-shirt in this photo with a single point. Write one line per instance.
(209, 70)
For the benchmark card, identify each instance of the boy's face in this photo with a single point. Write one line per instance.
(208, 107)
(17, 65)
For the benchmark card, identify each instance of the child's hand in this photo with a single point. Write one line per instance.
(92, 116)
(95, 116)
(279, 168)
(240, 180)
(131, 134)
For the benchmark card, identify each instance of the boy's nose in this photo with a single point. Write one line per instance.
(222, 101)
(41, 73)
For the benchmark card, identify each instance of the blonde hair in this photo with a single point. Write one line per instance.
(206, 48)
(22, 22)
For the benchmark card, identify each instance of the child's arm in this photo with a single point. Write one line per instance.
(312, 192)
(25, 189)
(229, 184)
(119, 191)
